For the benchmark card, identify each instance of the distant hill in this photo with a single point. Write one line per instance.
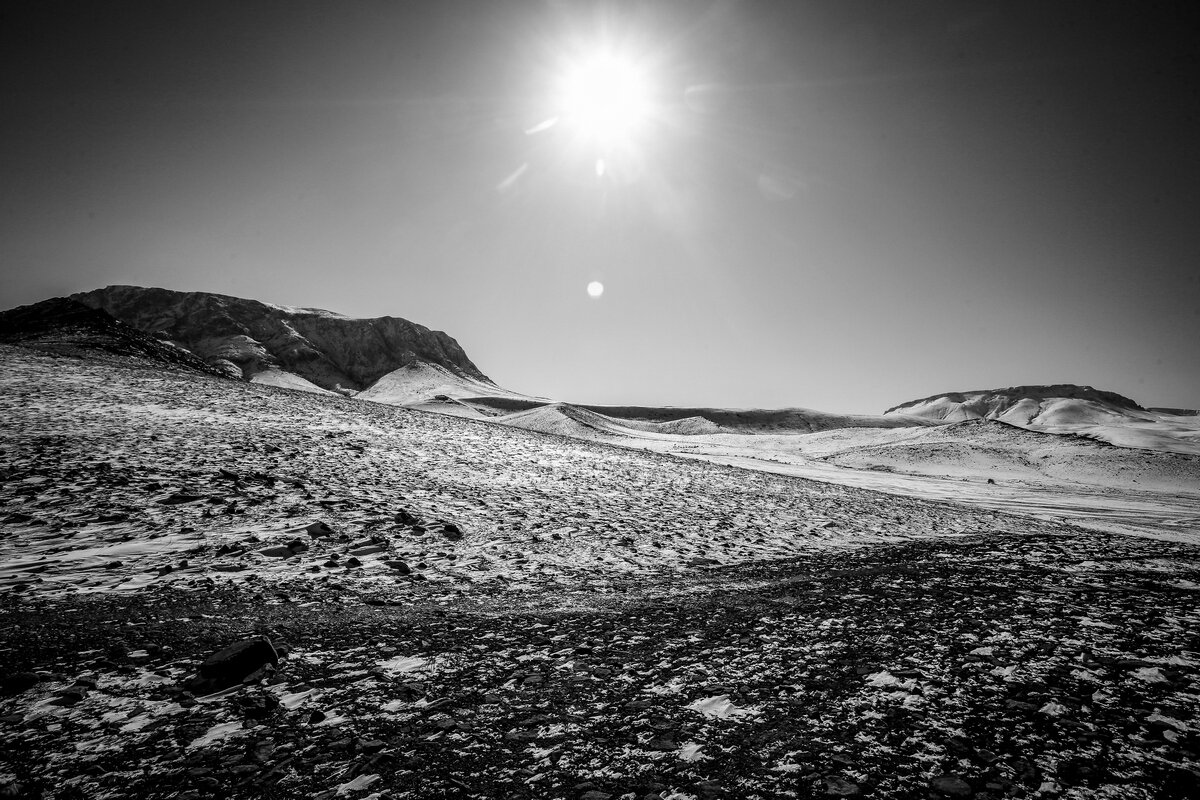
(1022, 405)
(304, 348)
(1063, 408)
(607, 422)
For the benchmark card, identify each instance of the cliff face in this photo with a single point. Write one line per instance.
(243, 337)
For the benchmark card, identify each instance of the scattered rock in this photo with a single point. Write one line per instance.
(951, 786)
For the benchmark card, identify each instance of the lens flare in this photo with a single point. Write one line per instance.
(605, 97)
(595, 289)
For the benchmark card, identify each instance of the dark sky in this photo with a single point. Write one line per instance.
(838, 205)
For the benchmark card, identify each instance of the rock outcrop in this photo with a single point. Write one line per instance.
(245, 337)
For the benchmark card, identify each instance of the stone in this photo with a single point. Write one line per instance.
(837, 786)
(662, 744)
(951, 786)
(18, 682)
(399, 566)
(179, 498)
(70, 697)
(406, 517)
(318, 529)
(232, 665)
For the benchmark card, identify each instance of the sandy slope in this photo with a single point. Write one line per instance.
(286, 380)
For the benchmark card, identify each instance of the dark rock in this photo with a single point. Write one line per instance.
(405, 517)
(837, 786)
(235, 663)
(257, 706)
(70, 697)
(179, 498)
(951, 785)
(18, 682)
(318, 529)
(399, 566)
(451, 531)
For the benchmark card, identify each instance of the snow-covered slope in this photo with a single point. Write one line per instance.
(1065, 408)
(422, 382)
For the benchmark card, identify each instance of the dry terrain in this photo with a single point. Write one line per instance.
(427, 606)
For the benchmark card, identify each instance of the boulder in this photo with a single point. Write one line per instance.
(951, 786)
(18, 682)
(232, 665)
(318, 529)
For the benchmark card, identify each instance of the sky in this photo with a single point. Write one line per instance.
(832, 205)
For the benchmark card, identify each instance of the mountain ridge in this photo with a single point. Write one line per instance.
(67, 327)
(245, 337)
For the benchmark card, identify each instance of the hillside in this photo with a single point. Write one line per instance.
(214, 588)
(67, 327)
(247, 338)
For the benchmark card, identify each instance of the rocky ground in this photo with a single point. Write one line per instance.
(434, 607)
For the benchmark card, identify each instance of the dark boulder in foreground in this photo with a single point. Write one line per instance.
(18, 682)
(233, 665)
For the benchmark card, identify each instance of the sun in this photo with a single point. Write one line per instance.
(605, 97)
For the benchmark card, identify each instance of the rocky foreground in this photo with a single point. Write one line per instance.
(213, 589)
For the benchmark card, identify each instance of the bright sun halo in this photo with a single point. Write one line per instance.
(605, 97)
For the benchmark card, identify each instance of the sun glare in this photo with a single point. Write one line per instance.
(605, 97)
(595, 289)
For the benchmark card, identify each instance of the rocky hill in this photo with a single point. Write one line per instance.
(244, 338)
(1018, 404)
